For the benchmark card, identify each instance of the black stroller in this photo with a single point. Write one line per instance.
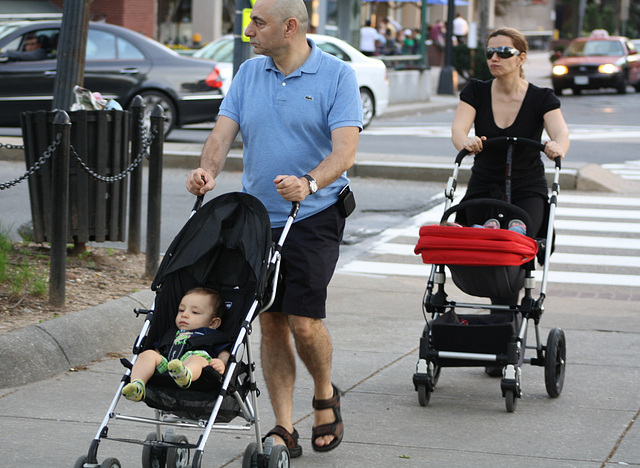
(487, 263)
(226, 245)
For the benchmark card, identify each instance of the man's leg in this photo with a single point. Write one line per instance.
(313, 344)
(279, 367)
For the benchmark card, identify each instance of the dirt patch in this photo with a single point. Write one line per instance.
(92, 278)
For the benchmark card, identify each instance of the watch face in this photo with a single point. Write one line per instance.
(313, 185)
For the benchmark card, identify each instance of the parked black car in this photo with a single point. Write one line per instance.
(120, 64)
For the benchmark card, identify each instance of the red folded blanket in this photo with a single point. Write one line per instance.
(455, 245)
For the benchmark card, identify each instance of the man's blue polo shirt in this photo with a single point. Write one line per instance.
(286, 125)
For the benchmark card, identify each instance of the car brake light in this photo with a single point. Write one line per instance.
(214, 80)
(560, 70)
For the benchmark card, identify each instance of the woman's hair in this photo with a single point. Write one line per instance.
(519, 41)
(217, 304)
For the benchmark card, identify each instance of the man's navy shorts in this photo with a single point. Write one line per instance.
(309, 257)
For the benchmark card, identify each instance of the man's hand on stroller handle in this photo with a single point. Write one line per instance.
(200, 182)
(292, 188)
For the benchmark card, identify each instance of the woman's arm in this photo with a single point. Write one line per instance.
(462, 122)
(558, 132)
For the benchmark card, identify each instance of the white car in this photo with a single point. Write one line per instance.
(371, 73)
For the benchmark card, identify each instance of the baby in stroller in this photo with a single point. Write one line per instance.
(200, 313)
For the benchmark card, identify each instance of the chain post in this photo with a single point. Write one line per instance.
(60, 203)
(135, 183)
(154, 202)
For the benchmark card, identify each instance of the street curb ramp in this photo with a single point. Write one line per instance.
(38, 352)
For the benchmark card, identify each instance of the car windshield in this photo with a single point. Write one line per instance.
(7, 28)
(221, 51)
(595, 48)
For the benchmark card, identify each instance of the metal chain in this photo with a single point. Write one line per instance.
(10, 146)
(38, 164)
(146, 143)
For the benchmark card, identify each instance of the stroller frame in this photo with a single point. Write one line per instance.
(174, 450)
(551, 356)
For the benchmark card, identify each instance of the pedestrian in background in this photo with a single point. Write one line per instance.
(368, 39)
(460, 29)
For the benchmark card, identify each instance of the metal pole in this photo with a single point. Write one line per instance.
(445, 84)
(154, 204)
(135, 181)
(240, 48)
(72, 47)
(422, 47)
(60, 202)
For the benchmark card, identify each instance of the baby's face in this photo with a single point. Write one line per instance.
(195, 311)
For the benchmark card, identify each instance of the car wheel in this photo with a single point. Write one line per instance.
(622, 86)
(153, 98)
(368, 107)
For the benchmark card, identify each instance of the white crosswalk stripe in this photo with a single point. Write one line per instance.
(628, 170)
(589, 239)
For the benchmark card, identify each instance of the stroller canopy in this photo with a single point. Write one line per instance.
(452, 245)
(225, 246)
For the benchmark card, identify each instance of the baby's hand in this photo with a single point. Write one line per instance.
(218, 365)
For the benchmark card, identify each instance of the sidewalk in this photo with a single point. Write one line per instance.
(376, 323)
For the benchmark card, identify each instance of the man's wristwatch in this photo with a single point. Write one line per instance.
(313, 185)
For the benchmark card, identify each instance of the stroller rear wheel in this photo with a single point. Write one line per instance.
(152, 456)
(110, 463)
(177, 457)
(249, 460)
(279, 457)
(554, 362)
(80, 462)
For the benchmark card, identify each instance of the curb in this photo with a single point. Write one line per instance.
(71, 341)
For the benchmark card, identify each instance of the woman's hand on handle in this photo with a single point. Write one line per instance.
(474, 144)
(553, 150)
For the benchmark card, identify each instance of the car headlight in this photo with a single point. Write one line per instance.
(608, 68)
(560, 70)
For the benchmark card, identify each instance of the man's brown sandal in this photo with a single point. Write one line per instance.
(336, 428)
(290, 440)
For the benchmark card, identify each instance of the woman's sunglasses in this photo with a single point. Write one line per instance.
(503, 52)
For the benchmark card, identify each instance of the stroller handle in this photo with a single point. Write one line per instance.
(198, 203)
(295, 207)
(510, 140)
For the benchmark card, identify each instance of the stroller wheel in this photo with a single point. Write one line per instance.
(249, 460)
(152, 456)
(80, 462)
(177, 457)
(554, 362)
(510, 400)
(110, 463)
(279, 457)
(424, 395)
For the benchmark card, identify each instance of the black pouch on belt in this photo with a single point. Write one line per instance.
(346, 201)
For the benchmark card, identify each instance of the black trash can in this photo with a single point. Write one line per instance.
(97, 209)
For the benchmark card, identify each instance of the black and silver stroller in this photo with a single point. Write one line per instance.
(493, 263)
(226, 245)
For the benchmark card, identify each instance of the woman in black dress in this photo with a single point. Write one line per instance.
(508, 105)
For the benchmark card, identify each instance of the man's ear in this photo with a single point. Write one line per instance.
(290, 27)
